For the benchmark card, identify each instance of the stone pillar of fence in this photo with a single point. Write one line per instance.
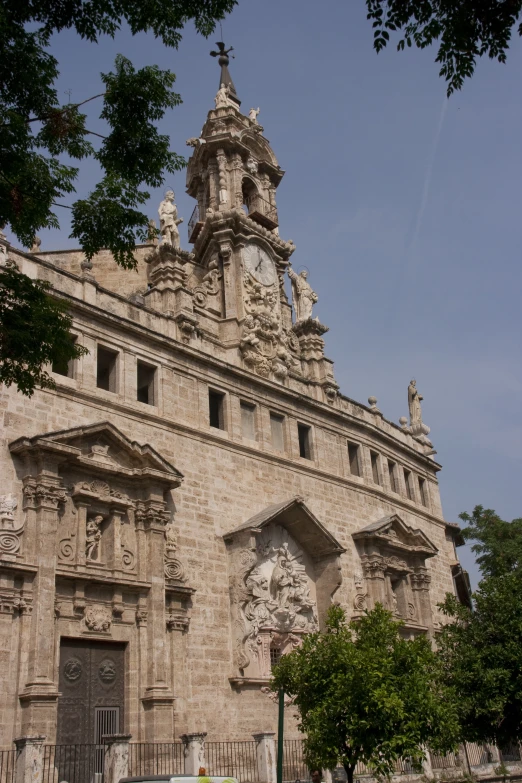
(116, 762)
(29, 759)
(266, 756)
(194, 752)
(426, 765)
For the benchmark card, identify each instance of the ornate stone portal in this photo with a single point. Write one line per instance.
(278, 587)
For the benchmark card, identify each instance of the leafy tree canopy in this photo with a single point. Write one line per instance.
(497, 543)
(465, 29)
(367, 695)
(40, 139)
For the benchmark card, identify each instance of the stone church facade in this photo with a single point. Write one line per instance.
(196, 491)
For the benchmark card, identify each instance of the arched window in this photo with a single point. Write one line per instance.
(250, 196)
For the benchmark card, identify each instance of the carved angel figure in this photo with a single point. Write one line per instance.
(222, 98)
(169, 220)
(252, 115)
(303, 296)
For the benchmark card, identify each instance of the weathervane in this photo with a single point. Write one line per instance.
(225, 78)
(222, 53)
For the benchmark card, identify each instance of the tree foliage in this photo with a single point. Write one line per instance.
(367, 695)
(40, 138)
(24, 351)
(481, 650)
(465, 29)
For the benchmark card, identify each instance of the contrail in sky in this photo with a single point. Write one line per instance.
(426, 186)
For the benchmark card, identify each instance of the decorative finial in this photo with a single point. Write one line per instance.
(372, 402)
(225, 79)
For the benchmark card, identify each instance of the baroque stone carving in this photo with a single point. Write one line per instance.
(10, 529)
(359, 602)
(252, 115)
(107, 671)
(417, 427)
(98, 619)
(169, 220)
(274, 595)
(303, 296)
(174, 568)
(93, 537)
(72, 670)
(223, 99)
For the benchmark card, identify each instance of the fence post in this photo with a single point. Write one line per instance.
(426, 765)
(29, 759)
(116, 762)
(194, 752)
(266, 756)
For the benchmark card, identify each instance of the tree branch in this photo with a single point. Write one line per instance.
(65, 108)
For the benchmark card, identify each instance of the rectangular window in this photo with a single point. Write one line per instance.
(107, 362)
(216, 409)
(423, 491)
(409, 484)
(392, 470)
(276, 428)
(65, 368)
(304, 435)
(353, 458)
(146, 381)
(248, 424)
(374, 457)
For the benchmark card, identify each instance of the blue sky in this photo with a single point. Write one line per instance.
(405, 208)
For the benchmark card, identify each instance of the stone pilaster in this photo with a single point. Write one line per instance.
(116, 763)
(29, 759)
(194, 752)
(266, 756)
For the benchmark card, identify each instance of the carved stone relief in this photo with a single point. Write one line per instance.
(98, 619)
(11, 529)
(93, 537)
(174, 568)
(275, 598)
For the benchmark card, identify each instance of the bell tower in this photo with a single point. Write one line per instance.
(233, 174)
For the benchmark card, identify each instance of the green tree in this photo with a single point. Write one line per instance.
(467, 29)
(40, 137)
(367, 695)
(481, 650)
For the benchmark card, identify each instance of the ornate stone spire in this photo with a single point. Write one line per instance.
(225, 78)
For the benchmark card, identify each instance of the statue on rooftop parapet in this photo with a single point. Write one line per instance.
(169, 220)
(252, 115)
(414, 403)
(222, 98)
(303, 296)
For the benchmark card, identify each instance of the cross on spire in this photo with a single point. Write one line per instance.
(225, 77)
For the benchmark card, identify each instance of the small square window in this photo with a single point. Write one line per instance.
(275, 655)
(146, 383)
(305, 437)
(423, 491)
(374, 457)
(353, 458)
(65, 368)
(248, 424)
(409, 484)
(392, 470)
(277, 431)
(107, 361)
(216, 409)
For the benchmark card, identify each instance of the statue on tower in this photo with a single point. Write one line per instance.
(222, 98)
(252, 115)
(169, 220)
(303, 296)
(414, 403)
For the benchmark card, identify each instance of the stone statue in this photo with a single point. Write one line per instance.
(35, 248)
(414, 403)
(169, 220)
(252, 115)
(92, 538)
(303, 296)
(8, 506)
(222, 98)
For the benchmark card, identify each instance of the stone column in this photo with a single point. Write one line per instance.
(266, 756)
(40, 694)
(420, 585)
(116, 763)
(158, 701)
(194, 752)
(29, 759)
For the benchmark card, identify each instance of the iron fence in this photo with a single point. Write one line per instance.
(234, 759)
(294, 766)
(7, 766)
(156, 758)
(73, 763)
(509, 753)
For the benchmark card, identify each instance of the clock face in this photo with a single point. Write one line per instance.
(259, 264)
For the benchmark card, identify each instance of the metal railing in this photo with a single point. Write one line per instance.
(7, 766)
(234, 759)
(294, 766)
(156, 758)
(73, 763)
(195, 223)
(261, 210)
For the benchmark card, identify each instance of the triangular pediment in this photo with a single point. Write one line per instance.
(394, 533)
(294, 515)
(101, 448)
